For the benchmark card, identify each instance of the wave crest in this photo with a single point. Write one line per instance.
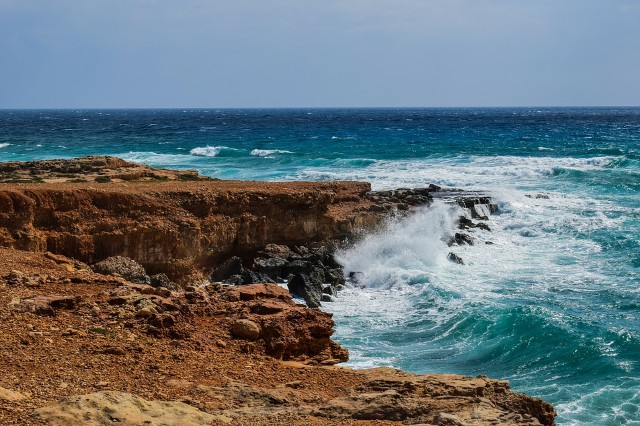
(268, 152)
(210, 151)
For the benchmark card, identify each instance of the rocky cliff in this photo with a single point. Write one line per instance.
(172, 226)
(118, 350)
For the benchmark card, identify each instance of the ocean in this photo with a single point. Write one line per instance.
(549, 299)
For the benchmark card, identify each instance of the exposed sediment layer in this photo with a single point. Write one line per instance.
(173, 226)
(200, 353)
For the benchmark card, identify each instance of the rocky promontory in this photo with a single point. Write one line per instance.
(142, 299)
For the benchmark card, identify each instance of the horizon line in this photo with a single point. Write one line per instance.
(317, 107)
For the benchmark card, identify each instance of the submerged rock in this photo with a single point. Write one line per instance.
(455, 258)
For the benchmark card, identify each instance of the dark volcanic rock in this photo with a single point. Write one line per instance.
(251, 277)
(461, 239)
(455, 258)
(272, 266)
(228, 268)
(302, 286)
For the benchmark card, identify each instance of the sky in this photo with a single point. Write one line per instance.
(320, 53)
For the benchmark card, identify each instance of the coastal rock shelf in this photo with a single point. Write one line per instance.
(150, 332)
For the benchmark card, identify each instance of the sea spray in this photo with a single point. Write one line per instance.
(402, 251)
(515, 310)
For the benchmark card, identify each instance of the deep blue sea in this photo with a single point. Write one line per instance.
(553, 305)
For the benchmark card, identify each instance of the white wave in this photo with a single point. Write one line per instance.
(4, 145)
(269, 152)
(478, 172)
(154, 159)
(403, 250)
(544, 148)
(208, 151)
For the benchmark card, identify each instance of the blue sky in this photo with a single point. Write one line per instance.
(295, 53)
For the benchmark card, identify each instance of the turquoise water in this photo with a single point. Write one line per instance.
(553, 305)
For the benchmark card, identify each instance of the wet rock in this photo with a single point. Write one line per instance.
(466, 223)
(455, 258)
(251, 277)
(460, 239)
(335, 277)
(297, 267)
(122, 266)
(302, 286)
(355, 277)
(245, 329)
(326, 298)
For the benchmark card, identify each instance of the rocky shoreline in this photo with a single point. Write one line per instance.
(156, 296)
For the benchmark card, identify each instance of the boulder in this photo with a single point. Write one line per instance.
(297, 267)
(455, 258)
(302, 286)
(44, 305)
(125, 267)
(245, 329)
(272, 266)
(161, 280)
(230, 267)
(251, 277)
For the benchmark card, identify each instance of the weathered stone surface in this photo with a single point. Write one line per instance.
(125, 267)
(10, 395)
(162, 280)
(43, 305)
(302, 286)
(108, 408)
(259, 291)
(245, 329)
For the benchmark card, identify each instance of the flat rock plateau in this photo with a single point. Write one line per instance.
(139, 296)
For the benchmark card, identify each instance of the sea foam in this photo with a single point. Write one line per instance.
(207, 151)
(269, 152)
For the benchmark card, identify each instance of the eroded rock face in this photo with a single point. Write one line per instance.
(173, 227)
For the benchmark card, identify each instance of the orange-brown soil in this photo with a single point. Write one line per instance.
(93, 339)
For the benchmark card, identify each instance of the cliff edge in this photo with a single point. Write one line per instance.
(88, 348)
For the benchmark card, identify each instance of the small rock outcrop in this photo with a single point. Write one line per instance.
(124, 267)
(110, 407)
